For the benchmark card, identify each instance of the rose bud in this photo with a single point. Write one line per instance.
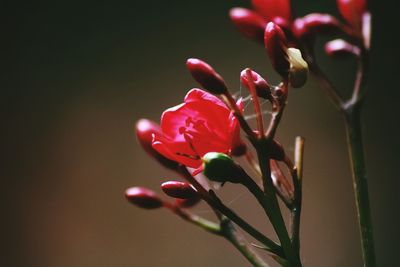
(352, 11)
(249, 23)
(180, 190)
(262, 87)
(187, 203)
(298, 73)
(316, 23)
(270, 9)
(341, 48)
(145, 130)
(276, 46)
(143, 198)
(219, 167)
(205, 75)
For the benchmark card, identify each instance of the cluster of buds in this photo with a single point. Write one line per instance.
(200, 138)
(301, 32)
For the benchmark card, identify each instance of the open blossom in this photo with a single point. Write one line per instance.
(200, 125)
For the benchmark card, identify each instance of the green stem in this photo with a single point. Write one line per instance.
(230, 233)
(360, 183)
(212, 199)
(225, 229)
(270, 204)
(196, 220)
(297, 177)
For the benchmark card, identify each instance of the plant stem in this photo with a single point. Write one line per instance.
(297, 175)
(205, 224)
(271, 206)
(231, 234)
(360, 183)
(225, 229)
(212, 199)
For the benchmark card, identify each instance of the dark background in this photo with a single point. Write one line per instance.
(76, 75)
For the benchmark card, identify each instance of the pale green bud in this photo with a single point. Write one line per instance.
(298, 72)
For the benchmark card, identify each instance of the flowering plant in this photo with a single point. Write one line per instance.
(200, 139)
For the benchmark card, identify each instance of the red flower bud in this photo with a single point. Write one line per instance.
(276, 45)
(316, 24)
(205, 75)
(249, 23)
(262, 87)
(352, 11)
(145, 131)
(180, 190)
(341, 48)
(143, 198)
(270, 9)
(187, 203)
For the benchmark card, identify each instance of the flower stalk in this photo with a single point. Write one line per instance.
(360, 183)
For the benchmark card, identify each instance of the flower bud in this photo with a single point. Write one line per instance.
(352, 11)
(298, 73)
(205, 75)
(276, 46)
(273, 8)
(341, 48)
(249, 23)
(145, 129)
(143, 198)
(187, 203)
(286, 26)
(219, 167)
(262, 87)
(180, 190)
(316, 23)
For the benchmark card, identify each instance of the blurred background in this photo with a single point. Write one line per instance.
(77, 75)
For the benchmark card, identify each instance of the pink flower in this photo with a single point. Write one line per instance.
(200, 125)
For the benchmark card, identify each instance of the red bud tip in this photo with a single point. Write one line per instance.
(316, 24)
(262, 87)
(205, 75)
(270, 9)
(249, 23)
(180, 190)
(145, 129)
(143, 198)
(352, 11)
(341, 48)
(276, 45)
(144, 133)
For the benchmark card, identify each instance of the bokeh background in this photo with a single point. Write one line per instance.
(77, 75)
